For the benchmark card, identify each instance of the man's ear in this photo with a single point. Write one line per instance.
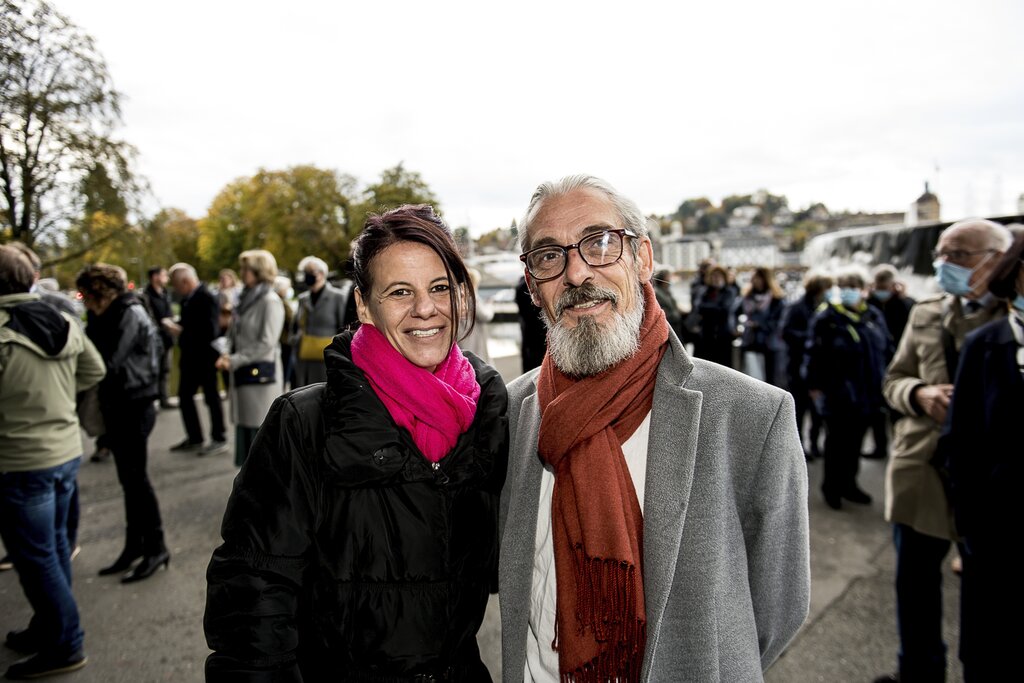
(645, 260)
(982, 275)
(532, 287)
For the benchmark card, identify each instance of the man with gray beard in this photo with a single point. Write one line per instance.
(654, 518)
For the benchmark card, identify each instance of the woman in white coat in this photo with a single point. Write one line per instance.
(255, 359)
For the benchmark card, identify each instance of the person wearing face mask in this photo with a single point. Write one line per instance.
(321, 315)
(918, 386)
(845, 358)
(889, 297)
(980, 446)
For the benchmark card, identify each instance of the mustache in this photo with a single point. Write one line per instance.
(583, 293)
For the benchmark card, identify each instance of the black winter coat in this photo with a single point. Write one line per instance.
(128, 340)
(846, 358)
(200, 323)
(796, 327)
(347, 556)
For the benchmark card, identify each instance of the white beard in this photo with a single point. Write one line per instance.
(589, 348)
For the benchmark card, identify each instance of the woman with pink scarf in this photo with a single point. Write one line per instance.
(360, 541)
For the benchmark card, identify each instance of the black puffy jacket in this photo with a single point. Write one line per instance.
(130, 345)
(845, 358)
(347, 556)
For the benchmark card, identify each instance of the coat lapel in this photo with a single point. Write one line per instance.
(519, 537)
(671, 454)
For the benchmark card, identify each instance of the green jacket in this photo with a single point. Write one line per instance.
(45, 361)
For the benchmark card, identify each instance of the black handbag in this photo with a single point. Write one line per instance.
(254, 373)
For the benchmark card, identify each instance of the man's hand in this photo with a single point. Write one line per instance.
(171, 326)
(223, 363)
(934, 400)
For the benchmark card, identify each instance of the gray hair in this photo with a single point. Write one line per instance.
(185, 268)
(317, 264)
(282, 284)
(999, 237)
(627, 209)
(884, 273)
(853, 271)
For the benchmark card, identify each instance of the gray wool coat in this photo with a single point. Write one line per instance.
(255, 337)
(326, 319)
(726, 546)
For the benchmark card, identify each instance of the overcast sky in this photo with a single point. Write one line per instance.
(855, 104)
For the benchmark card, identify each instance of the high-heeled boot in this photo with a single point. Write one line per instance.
(132, 551)
(155, 557)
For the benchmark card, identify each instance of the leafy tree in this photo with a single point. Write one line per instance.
(58, 108)
(733, 202)
(171, 236)
(711, 221)
(292, 213)
(101, 233)
(692, 208)
(396, 187)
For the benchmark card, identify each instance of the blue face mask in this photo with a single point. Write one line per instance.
(849, 297)
(953, 278)
(882, 295)
(1018, 303)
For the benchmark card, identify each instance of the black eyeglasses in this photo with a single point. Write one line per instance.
(597, 250)
(959, 255)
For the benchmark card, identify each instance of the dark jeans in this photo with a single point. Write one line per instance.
(843, 436)
(33, 524)
(191, 380)
(129, 444)
(919, 560)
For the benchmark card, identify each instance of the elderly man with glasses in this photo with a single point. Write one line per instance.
(919, 384)
(654, 519)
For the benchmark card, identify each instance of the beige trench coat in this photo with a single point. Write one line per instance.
(913, 491)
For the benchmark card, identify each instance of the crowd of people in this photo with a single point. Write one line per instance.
(641, 509)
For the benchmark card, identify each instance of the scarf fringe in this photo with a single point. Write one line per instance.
(620, 664)
(606, 604)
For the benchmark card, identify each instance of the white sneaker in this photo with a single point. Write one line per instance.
(213, 448)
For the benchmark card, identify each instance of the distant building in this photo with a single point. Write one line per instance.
(925, 209)
(749, 251)
(684, 253)
(743, 216)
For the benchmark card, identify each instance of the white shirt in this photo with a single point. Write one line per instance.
(541, 659)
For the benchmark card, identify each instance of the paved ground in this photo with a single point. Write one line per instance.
(152, 631)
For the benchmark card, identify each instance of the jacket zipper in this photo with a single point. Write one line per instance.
(439, 474)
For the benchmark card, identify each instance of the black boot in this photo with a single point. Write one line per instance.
(148, 567)
(131, 552)
(155, 557)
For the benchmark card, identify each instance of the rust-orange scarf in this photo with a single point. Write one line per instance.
(596, 520)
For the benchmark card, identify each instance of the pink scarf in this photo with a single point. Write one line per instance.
(434, 407)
